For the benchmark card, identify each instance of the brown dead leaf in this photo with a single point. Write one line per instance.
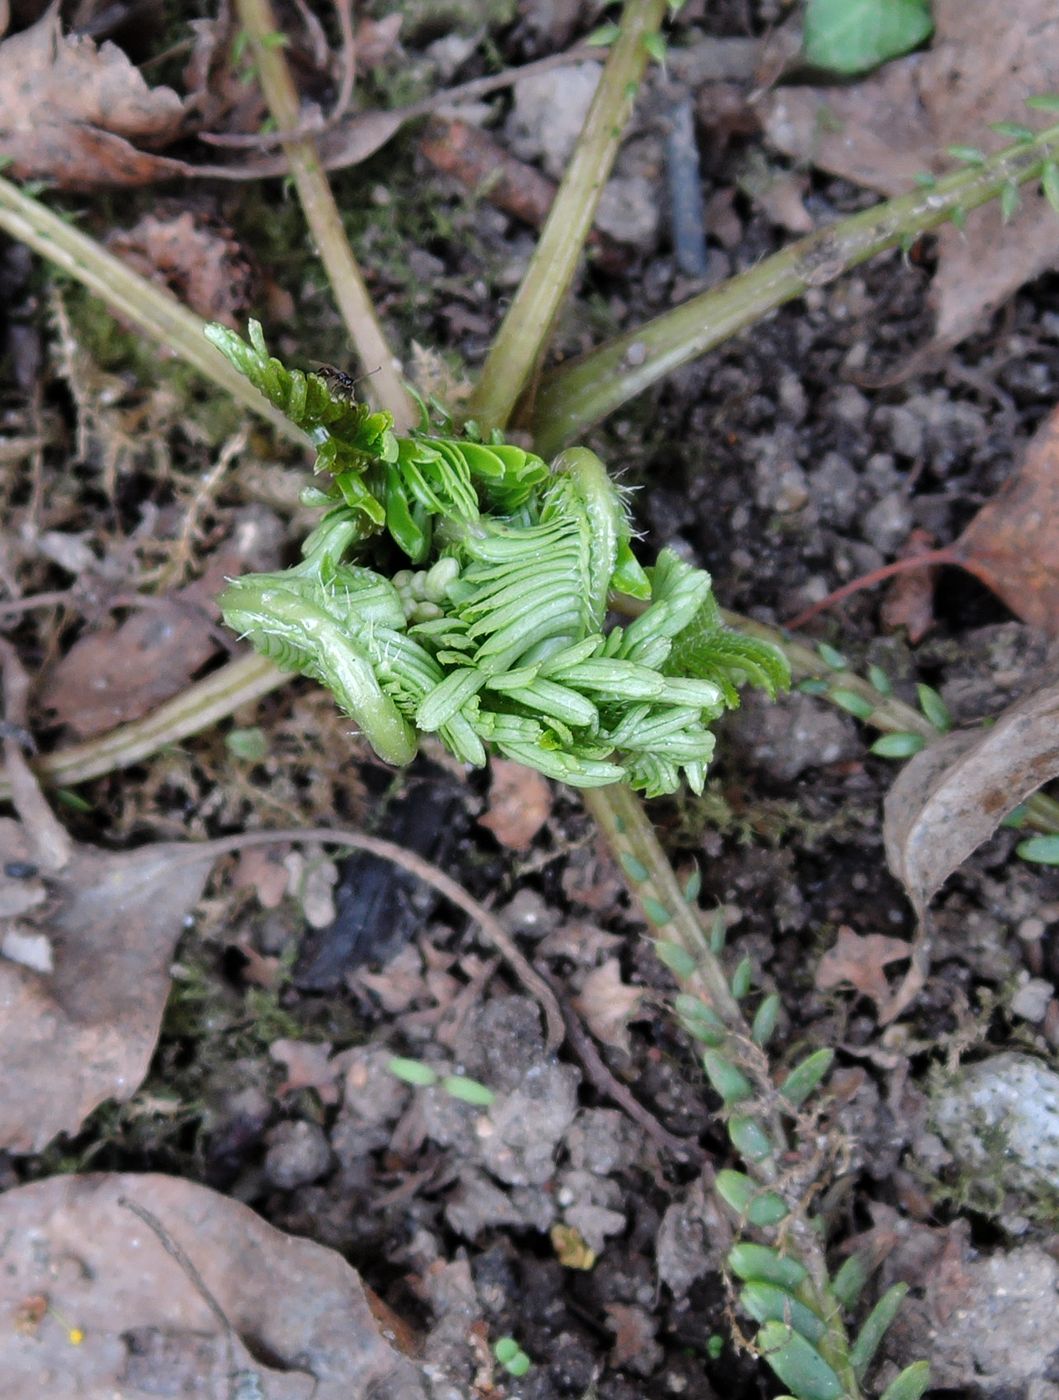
(73, 113)
(261, 868)
(148, 1329)
(520, 802)
(951, 797)
(858, 960)
(110, 677)
(635, 1346)
(985, 60)
(202, 263)
(85, 1032)
(309, 1065)
(608, 1004)
(1012, 544)
(909, 602)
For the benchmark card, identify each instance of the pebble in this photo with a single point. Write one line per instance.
(1031, 999)
(888, 522)
(1000, 1121)
(298, 1153)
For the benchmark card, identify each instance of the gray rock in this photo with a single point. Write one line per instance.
(785, 738)
(999, 1119)
(548, 114)
(994, 1333)
(629, 211)
(887, 524)
(1031, 999)
(299, 1153)
(834, 486)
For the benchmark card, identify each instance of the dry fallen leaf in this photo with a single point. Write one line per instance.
(300, 1321)
(985, 60)
(86, 1031)
(859, 961)
(201, 261)
(1012, 544)
(909, 601)
(261, 869)
(635, 1347)
(520, 802)
(309, 1065)
(71, 112)
(112, 676)
(608, 1004)
(950, 798)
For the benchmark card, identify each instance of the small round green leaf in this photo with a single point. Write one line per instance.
(412, 1072)
(1042, 850)
(853, 703)
(759, 1261)
(900, 745)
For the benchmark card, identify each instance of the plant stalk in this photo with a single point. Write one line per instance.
(577, 395)
(527, 328)
(151, 308)
(323, 217)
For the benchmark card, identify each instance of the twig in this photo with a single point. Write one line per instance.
(15, 606)
(175, 1251)
(324, 219)
(576, 396)
(527, 327)
(421, 869)
(42, 828)
(584, 1047)
(928, 560)
(471, 156)
(340, 148)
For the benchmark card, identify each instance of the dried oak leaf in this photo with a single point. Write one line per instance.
(859, 961)
(86, 1030)
(985, 60)
(300, 1321)
(951, 797)
(608, 1004)
(70, 112)
(1012, 544)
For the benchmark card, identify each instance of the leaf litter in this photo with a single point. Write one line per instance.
(985, 60)
(80, 115)
(154, 1285)
(952, 796)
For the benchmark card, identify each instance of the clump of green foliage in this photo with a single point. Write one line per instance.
(776, 1263)
(498, 638)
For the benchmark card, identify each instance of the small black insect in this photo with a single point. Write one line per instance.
(338, 381)
(341, 384)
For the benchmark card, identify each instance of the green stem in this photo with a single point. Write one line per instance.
(153, 309)
(621, 818)
(579, 394)
(323, 216)
(528, 324)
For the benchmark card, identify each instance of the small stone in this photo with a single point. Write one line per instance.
(1031, 999)
(1000, 1120)
(835, 487)
(298, 1154)
(1030, 930)
(888, 523)
(629, 212)
(548, 114)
